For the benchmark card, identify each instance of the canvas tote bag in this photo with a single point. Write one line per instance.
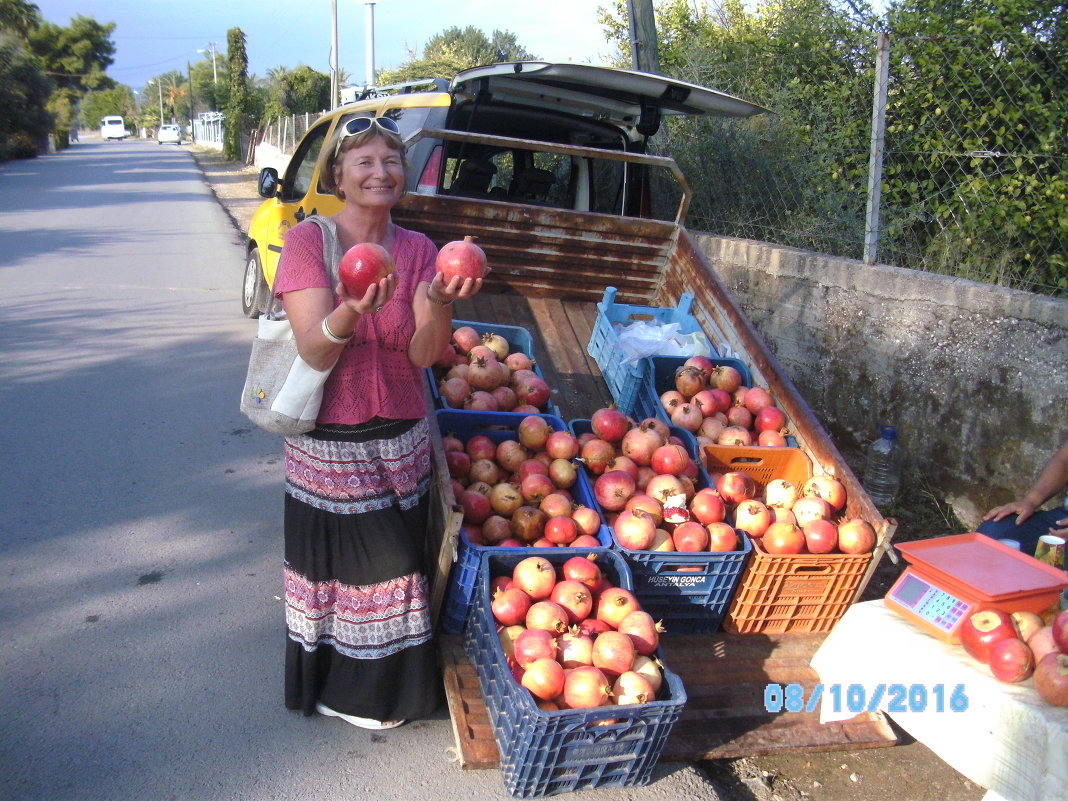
(282, 392)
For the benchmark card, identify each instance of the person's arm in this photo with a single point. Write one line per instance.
(320, 329)
(1050, 481)
(433, 316)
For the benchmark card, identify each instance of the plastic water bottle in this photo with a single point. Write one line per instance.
(882, 474)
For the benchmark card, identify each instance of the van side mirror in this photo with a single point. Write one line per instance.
(268, 184)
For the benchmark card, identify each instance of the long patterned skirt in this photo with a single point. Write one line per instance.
(359, 635)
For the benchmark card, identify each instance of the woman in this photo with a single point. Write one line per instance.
(356, 500)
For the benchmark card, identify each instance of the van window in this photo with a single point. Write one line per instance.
(301, 167)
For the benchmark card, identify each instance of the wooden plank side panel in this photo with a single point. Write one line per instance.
(726, 675)
(689, 270)
(443, 526)
(550, 252)
(476, 749)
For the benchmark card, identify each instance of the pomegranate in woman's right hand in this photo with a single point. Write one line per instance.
(362, 265)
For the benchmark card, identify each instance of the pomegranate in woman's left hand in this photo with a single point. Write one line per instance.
(463, 258)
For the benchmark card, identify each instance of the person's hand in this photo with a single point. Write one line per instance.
(1061, 529)
(1023, 509)
(377, 295)
(457, 288)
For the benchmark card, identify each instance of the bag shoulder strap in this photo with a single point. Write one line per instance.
(331, 245)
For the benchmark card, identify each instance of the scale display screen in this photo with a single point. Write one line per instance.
(933, 605)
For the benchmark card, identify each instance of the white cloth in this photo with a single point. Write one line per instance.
(1008, 740)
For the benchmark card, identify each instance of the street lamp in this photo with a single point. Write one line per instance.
(159, 84)
(214, 70)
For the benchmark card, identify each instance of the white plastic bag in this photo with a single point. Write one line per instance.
(641, 339)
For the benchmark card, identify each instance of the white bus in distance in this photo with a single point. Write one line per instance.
(113, 127)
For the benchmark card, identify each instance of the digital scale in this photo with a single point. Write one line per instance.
(949, 578)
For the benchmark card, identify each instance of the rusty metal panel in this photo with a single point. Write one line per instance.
(544, 251)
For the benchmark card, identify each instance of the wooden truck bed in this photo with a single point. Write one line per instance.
(724, 674)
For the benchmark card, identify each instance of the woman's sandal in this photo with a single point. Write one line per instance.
(363, 723)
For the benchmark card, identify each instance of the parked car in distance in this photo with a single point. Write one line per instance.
(169, 134)
(113, 127)
(566, 136)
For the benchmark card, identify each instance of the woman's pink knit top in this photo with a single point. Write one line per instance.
(373, 377)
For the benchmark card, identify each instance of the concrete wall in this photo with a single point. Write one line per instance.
(974, 376)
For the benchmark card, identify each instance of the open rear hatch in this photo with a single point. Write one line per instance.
(634, 100)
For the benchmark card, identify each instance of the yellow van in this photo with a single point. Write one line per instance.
(513, 115)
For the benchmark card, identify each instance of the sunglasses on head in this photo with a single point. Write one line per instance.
(357, 125)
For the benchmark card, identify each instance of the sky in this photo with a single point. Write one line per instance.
(156, 36)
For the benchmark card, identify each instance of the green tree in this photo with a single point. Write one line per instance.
(298, 91)
(239, 102)
(19, 17)
(24, 91)
(795, 176)
(71, 59)
(456, 49)
(94, 106)
(977, 158)
(76, 56)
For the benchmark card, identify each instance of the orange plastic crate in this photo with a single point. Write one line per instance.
(759, 462)
(789, 593)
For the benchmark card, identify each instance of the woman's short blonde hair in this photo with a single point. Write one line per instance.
(340, 143)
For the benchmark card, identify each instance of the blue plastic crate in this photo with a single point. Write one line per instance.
(691, 592)
(549, 752)
(623, 379)
(691, 595)
(519, 341)
(658, 376)
(463, 578)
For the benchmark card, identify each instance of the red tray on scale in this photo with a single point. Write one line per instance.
(949, 578)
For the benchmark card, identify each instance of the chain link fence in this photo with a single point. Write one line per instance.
(974, 161)
(282, 134)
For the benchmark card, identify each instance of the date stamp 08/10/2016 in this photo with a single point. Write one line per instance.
(858, 698)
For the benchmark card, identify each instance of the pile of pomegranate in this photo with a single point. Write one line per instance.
(521, 491)
(1019, 646)
(573, 638)
(711, 401)
(478, 372)
(646, 486)
(790, 518)
(643, 479)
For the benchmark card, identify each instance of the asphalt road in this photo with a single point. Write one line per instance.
(141, 621)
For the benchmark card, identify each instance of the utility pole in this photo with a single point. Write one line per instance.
(159, 85)
(369, 43)
(189, 76)
(644, 54)
(214, 69)
(334, 88)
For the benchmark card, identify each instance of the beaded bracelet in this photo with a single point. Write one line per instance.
(332, 336)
